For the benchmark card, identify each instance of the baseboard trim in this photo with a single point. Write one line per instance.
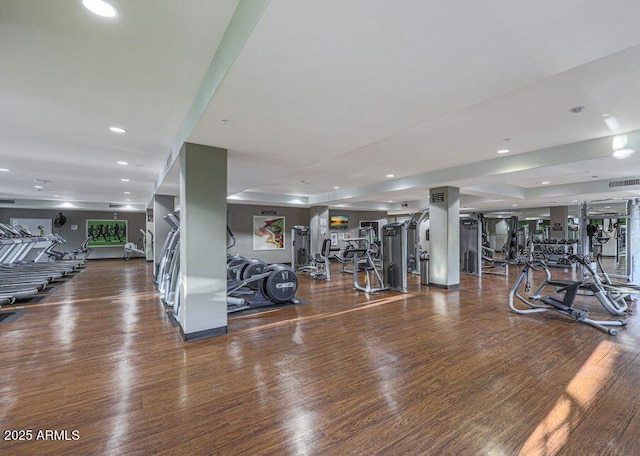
(204, 334)
(446, 287)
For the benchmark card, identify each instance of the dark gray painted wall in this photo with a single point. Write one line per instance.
(135, 222)
(240, 219)
(354, 220)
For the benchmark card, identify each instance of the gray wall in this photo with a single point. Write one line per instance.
(240, 219)
(354, 221)
(135, 222)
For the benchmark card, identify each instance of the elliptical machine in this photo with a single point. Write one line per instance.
(259, 285)
(253, 283)
(131, 249)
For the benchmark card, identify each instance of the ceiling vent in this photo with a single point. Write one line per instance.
(116, 206)
(624, 183)
(7, 201)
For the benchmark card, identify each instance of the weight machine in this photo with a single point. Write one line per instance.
(358, 252)
(414, 249)
(471, 245)
(394, 256)
(321, 269)
(300, 247)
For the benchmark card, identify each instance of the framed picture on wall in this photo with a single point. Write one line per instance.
(107, 233)
(339, 222)
(268, 232)
(373, 224)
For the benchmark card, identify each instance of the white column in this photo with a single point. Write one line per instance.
(203, 231)
(444, 234)
(319, 216)
(633, 241)
(558, 218)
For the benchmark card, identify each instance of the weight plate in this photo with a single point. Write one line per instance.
(281, 285)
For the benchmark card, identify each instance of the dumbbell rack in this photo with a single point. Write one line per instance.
(556, 254)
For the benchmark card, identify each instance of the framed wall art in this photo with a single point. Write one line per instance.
(107, 233)
(268, 232)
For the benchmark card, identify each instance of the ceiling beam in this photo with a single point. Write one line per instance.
(244, 20)
(551, 156)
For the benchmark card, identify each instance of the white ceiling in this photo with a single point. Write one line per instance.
(323, 94)
(67, 75)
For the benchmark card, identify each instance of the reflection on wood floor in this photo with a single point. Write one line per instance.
(430, 372)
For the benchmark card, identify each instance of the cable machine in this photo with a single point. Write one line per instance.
(300, 247)
(414, 248)
(471, 245)
(394, 256)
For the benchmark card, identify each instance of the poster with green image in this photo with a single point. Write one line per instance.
(107, 233)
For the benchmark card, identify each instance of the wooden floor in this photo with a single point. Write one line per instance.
(432, 372)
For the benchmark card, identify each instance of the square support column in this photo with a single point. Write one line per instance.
(444, 235)
(558, 218)
(203, 240)
(319, 221)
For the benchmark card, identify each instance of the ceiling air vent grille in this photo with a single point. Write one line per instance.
(116, 206)
(624, 183)
(7, 201)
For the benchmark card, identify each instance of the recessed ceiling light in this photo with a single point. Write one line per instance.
(124, 180)
(607, 207)
(391, 175)
(514, 205)
(574, 201)
(39, 187)
(336, 188)
(122, 163)
(127, 193)
(619, 142)
(613, 124)
(621, 154)
(503, 151)
(545, 183)
(127, 199)
(56, 196)
(389, 201)
(4, 170)
(117, 130)
(101, 8)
